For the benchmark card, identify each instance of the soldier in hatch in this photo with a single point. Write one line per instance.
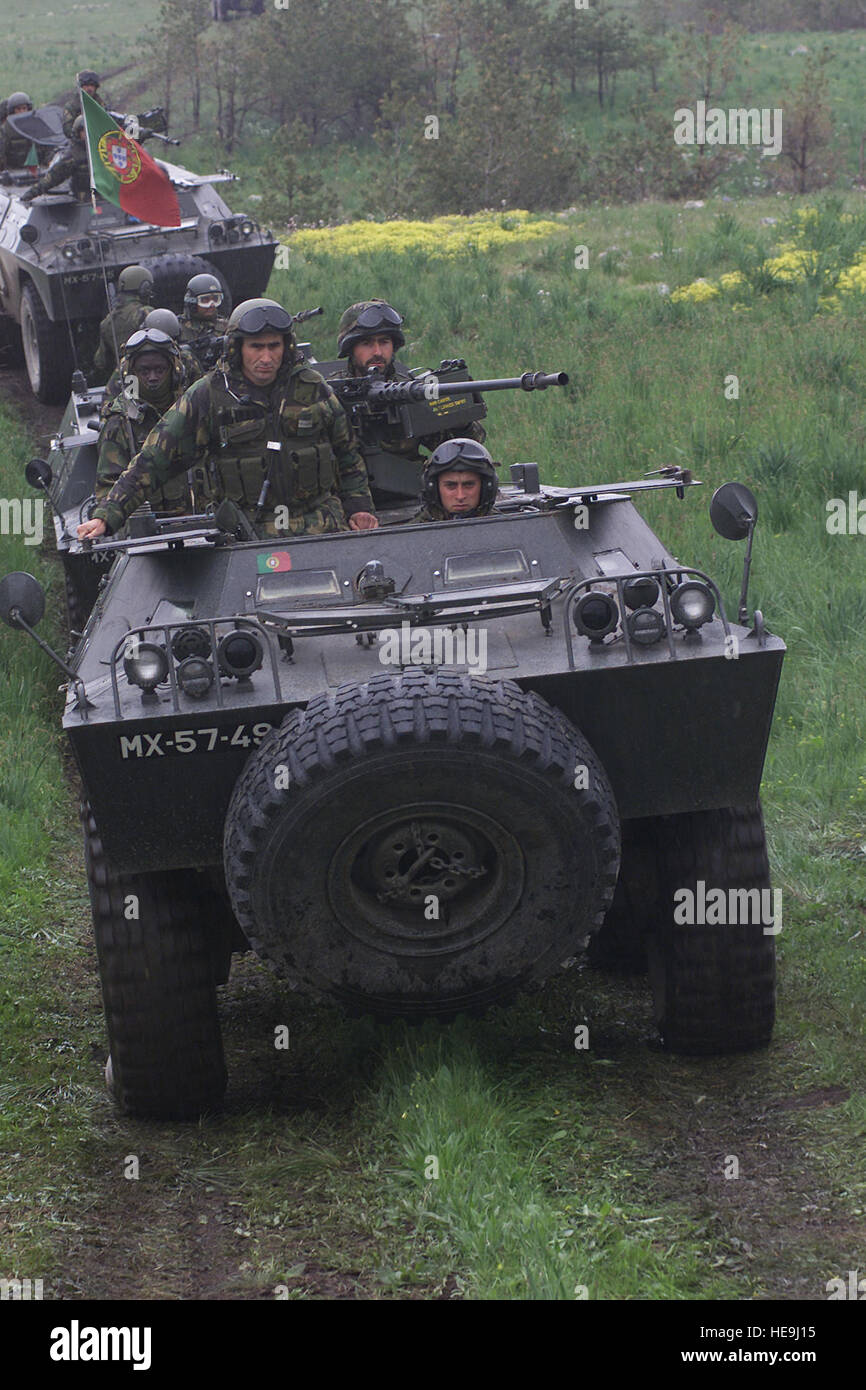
(166, 322)
(459, 481)
(274, 437)
(151, 373)
(134, 298)
(71, 163)
(15, 148)
(86, 81)
(369, 334)
(201, 326)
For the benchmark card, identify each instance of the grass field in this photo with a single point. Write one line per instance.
(558, 1170)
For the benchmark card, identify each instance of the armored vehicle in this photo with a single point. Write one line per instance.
(418, 769)
(52, 291)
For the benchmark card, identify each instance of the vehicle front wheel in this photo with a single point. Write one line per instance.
(418, 845)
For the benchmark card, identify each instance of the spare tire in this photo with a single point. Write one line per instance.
(173, 272)
(417, 845)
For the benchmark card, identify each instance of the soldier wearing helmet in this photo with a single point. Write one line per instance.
(368, 336)
(273, 437)
(134, 296)
(71, 163)
(459, 481)
(86, 81)
(166, 322)
(202, 327)
(151, 379)
(14, 148)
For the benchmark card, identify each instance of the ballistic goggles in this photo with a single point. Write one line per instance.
(209, 301)
(378, 316)
(263, 316)
(149, 337)
(456, 451)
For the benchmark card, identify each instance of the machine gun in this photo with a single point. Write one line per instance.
(447, 399)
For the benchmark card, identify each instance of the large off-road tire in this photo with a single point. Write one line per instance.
(47, 354)
(713, 985)
(173, 272)
(621, 943)
(159, 960)
(11, 347)
(417, 846)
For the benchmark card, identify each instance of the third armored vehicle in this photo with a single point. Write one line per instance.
(418, 769)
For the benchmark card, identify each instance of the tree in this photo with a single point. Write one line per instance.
(808, 125)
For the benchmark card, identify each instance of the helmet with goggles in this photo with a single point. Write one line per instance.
(367, 319)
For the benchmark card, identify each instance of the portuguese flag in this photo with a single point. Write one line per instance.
(124, 173)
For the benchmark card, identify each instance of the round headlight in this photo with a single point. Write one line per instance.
(247, 228)
(195, 676)
(190, 641)
(692, 604)
(641, 592)
(595, 615)
(645, 626)
(145, 664)
(239, 654)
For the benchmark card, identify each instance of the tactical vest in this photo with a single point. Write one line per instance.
(301, 473)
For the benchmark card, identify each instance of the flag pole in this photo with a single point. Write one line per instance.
(104, 270)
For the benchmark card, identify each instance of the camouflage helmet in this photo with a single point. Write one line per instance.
(255, 315)
(201, 284)
(365, 319)
(87, 78)
(18, 99)
(152, 339)
(164, 320)
(135, 279)
(457, 456)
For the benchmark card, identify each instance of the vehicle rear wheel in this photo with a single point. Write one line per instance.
(47, 354)
(159, 959)
(713, 983)
(417, 846)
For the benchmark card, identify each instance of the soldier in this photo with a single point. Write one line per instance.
(166, 322)
(134, 295)
(459, 481)
(87, 81)
(276, 439)
(151, 375)
(70, 163)
(369, 334)
(201, 326)
(14, 148)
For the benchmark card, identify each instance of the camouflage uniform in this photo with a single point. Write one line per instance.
(126, 425)
(127, 315)
(71, 163)
(14, 148)
(317, 474)
(73, 109)
(204, 337)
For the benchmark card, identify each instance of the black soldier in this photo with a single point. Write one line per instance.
(151, 376)
(369, 334)
(275, 439)
(201, 326)
(459, 481)
(71, 163)
(134, 296)
(166, 322)
(14, 148)
(87, 81)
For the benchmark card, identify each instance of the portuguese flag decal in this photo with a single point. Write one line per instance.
(124, 173)
(274, 562)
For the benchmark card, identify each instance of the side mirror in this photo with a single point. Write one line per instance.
(21, 598)
(29, 234)
(733, 511)
(38, 474)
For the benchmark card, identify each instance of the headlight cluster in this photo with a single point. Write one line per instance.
(239, 654)
(596, 613)
(233, 229)
(84, 249)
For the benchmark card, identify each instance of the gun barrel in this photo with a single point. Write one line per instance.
(431, 388)
(307, 314)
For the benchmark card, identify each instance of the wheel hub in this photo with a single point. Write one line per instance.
(421, 858)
